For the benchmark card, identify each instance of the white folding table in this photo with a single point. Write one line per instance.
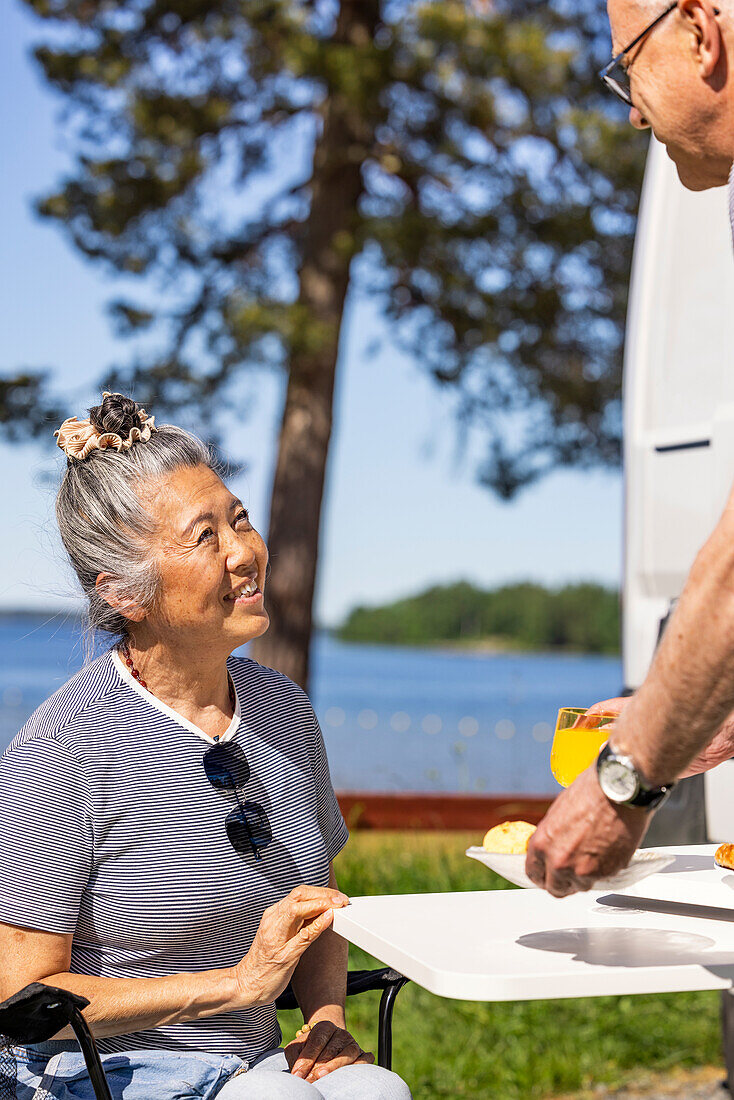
(526, 945)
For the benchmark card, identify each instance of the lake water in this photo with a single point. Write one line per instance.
(394, 719)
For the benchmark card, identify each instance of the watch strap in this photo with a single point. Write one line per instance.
(651, 798)
(646, 797)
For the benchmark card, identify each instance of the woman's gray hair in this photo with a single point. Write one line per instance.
(102, 519)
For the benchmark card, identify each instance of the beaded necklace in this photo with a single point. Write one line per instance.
(124, 650)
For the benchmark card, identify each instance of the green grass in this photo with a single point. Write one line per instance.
(504, 1051)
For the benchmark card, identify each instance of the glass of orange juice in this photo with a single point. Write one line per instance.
(579, 737)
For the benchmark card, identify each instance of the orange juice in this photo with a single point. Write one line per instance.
(573, 751)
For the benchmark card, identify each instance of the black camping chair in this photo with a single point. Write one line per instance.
(38, 1012)
(362, 981)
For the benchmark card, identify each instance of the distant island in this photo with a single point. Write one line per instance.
(37, 614)
(582, 617)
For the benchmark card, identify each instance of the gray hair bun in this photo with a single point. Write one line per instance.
(117, 413)
(102, 512)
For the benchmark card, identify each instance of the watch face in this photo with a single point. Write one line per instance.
(618, 781)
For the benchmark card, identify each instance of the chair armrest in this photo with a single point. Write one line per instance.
(37, 1012)
(358, 981)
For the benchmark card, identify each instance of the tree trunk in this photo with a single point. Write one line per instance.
(328, 249)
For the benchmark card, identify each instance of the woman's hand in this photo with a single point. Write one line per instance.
(322, 1049)
(286, 930)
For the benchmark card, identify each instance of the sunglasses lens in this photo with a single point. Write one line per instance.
(226, 767)
(248, 829)
(618, 82)
(258, 824)
(237, 832)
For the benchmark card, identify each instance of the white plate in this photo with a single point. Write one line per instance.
(643, 863)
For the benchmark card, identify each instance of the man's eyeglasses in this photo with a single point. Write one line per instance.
(616, 75)
(247, 827)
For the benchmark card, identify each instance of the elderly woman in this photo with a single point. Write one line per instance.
(167, 820)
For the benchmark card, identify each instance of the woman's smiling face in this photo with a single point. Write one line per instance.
(211, 561)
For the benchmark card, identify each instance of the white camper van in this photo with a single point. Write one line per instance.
(679, 421)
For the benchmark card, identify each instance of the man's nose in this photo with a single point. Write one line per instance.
(638, 120)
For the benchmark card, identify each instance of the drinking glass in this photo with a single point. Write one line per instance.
(578, 738)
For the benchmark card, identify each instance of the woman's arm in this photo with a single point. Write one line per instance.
(320, 985)
(320, 979)
(117, 1005)
(121, 1005)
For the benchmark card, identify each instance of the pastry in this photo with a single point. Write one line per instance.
(724, 856)
(509, 838)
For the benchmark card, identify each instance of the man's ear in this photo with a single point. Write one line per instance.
(108, 589)
(707, 44)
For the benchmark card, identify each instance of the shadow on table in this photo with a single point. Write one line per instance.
(688, 863)
(630, 947)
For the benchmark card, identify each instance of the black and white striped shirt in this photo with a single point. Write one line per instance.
(110, 829)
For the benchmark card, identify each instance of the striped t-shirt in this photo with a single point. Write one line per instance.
(109, 829)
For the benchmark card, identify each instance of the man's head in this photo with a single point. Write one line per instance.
(682, 81)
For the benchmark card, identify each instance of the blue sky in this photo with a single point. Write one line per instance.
(401, 510)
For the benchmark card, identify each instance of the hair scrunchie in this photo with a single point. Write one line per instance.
(78, 438)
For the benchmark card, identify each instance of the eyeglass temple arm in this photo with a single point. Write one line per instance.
(648, 28)
(631, 45)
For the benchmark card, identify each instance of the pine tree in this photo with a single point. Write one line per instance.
(460, 159)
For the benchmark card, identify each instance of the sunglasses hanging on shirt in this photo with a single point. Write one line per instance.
(248, 827)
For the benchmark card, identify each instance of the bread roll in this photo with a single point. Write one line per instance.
(724, 856)
(509, 838)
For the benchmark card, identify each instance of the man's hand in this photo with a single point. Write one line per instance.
(719, 749)
(582, 838)
(610, 706)
(322, 1049)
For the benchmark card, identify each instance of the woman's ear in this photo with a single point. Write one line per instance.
(108, 589)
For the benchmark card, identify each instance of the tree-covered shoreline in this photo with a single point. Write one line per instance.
(583, 617)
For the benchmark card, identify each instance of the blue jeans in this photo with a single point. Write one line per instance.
(56, 1071)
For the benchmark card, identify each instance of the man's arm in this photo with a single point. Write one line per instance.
(689, 691)
(719, 748)
(686, 697)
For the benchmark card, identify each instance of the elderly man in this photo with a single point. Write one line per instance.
(674, 66)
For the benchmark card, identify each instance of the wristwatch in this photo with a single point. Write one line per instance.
(624, 784)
